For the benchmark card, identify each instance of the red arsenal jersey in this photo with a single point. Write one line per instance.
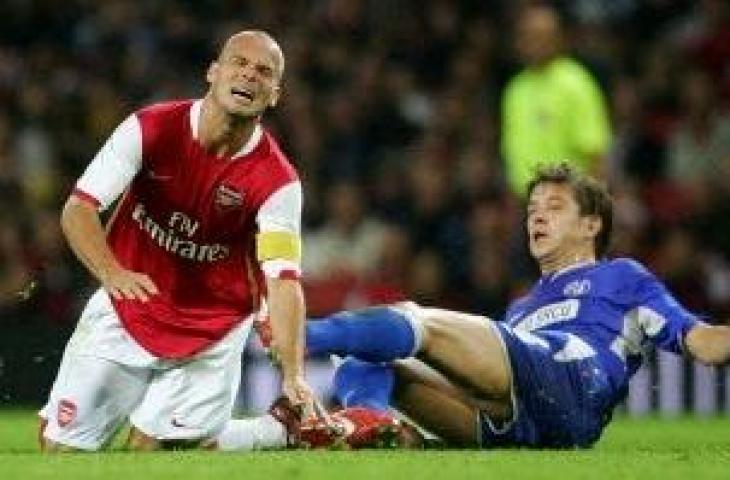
(188, 219)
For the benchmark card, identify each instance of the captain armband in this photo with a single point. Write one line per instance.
(278, 246)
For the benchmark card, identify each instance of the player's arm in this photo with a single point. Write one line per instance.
(709, 344)
(278, 248)
(286, 311)
(106, 177)
(673, 328)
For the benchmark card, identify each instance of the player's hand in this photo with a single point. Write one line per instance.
(125, 284)
(300, 395)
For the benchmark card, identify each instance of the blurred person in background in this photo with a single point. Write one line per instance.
(488, 278)
(704, 37)
(553, 109)
(699, 147)
(344, 251)
(209, 225)
(427, 278)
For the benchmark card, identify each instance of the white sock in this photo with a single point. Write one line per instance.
(409, 311)
(252, 434)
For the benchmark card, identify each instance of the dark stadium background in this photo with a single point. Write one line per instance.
(391, 112)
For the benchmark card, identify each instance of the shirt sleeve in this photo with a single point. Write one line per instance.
(114, 166)
(664, 321)
(282, 212)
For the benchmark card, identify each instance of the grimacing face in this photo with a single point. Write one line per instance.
(555, 226)
(244, 80)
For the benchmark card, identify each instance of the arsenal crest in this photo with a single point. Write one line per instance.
(66, 412)
(228, 198)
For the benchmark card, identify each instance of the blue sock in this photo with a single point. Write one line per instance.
(364, 384)
(376, 334)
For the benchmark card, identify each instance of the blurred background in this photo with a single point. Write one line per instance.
(406, 120)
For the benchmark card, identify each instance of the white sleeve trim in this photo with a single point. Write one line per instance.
(115, 165)
(282, 211)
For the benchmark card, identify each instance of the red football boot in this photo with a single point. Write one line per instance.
(356, 428)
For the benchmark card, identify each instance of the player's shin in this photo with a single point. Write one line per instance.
(363, 384)
(375, 334)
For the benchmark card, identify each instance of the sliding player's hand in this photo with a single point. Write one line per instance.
(125, 284)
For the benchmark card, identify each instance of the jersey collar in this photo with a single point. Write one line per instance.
(553, 275)
(247, 147)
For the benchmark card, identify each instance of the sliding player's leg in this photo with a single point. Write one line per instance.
(364, 392)
(441, 406)
(466, 348)
(374, 334)
(357, 383)
(435, 404)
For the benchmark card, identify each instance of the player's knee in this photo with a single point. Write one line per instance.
(434, 329)
(414, 313)
(139, 441)
(49, 446)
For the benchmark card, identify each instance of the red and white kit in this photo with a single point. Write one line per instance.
(188, 219)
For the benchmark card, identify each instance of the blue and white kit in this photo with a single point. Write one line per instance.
(574, 341)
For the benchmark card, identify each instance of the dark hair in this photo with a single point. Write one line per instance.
(591, 196)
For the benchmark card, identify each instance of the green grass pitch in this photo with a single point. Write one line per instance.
(647, 449)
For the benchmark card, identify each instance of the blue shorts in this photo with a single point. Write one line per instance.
(558, 404)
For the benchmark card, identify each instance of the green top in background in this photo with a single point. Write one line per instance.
(551, 113)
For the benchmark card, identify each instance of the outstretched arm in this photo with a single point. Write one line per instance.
(709, 344)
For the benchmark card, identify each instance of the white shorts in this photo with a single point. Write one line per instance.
(105, 378)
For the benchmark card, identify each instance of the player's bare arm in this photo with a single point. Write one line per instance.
(709, 344)
(278, 248)
(286, 308)
(83, 229)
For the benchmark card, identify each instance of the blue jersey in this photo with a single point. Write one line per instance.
(612, 310)
(574, 341)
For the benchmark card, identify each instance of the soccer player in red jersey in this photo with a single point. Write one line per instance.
(208, 224)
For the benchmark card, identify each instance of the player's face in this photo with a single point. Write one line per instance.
(558, 233)
(245, 79)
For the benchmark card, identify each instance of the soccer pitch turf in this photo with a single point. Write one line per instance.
(646, 449)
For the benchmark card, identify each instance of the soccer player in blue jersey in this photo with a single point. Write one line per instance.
(550, 374)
